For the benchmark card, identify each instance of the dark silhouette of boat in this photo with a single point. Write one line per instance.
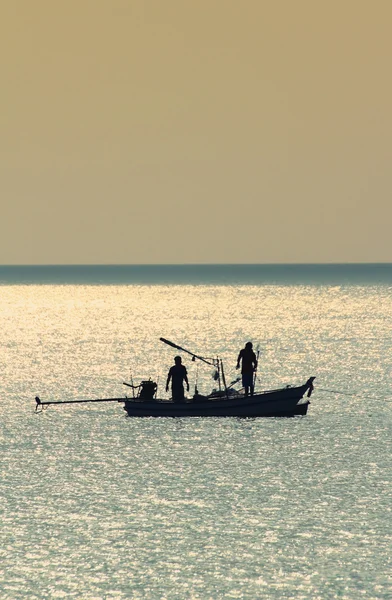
(285, 402)
(289, 401)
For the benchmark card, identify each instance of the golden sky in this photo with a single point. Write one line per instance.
(176, 131)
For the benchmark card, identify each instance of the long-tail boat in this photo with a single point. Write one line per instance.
(226, 401)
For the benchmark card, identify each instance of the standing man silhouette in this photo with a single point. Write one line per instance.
(177, 374)
(249, 366)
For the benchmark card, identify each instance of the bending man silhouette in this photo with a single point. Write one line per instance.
(249, 366)
(177, 374)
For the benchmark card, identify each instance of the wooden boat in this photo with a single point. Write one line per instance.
(285, 402)
(224, 402)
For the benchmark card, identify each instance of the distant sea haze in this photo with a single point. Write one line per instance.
(211, 274)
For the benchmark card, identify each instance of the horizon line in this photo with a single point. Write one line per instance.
(272, 264)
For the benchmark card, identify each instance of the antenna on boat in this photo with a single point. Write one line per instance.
(218, 367)
(133, 387)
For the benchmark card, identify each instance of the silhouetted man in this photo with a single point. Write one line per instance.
(177, 374)
(249, 366)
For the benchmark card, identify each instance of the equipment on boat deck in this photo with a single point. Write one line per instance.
(147, 389)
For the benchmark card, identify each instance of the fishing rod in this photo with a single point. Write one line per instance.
(257, 364)
(169, 343)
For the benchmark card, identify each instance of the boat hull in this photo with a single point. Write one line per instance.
(286, 402)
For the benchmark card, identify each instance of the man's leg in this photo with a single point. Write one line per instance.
(178, 393)
(247, 383)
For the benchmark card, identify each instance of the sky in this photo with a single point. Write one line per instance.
(183, 131)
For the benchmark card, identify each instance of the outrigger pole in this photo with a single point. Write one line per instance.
(213, 364)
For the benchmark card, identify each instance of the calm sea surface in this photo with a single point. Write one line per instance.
(96, 505)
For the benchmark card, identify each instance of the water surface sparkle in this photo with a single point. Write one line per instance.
(98, 505)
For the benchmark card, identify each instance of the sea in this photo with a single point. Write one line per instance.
(97, 505)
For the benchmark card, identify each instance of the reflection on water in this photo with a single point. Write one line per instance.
(98, 505)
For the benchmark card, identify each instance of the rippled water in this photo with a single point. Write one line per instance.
(97, 505)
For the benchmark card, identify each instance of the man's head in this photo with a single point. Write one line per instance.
(249, 345)
(177, 360)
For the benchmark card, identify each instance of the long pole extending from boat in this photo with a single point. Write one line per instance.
(40, 403)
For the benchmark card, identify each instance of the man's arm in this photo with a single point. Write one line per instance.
(168, 380)
(186, 380)
(238, 360)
